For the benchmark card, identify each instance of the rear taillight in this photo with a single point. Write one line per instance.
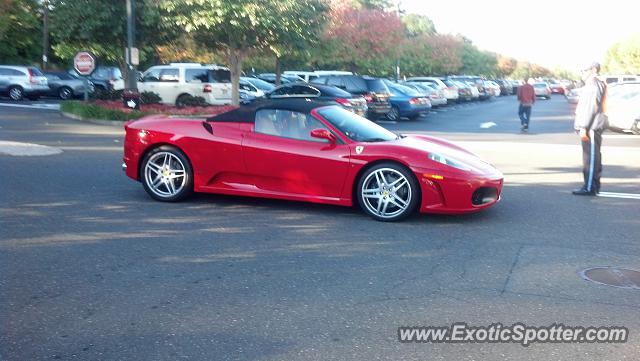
(207, 88)
(32, 80)
(368, 98)
(414, 101)
(344, 102)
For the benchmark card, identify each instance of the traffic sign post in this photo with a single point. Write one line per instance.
(84, 63)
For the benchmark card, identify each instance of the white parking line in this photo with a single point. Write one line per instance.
(488, 125)
(32, 106)
(619, 195)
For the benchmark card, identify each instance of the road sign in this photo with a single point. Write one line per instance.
(84, 63)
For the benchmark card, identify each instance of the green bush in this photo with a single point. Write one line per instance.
(92, 111)
(191, 101)
(150, 98)
(103, 94)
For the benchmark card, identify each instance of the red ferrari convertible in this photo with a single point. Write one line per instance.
(307, 151)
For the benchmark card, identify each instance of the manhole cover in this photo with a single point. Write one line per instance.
(613, 276)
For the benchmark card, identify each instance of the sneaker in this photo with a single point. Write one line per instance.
(584, 192)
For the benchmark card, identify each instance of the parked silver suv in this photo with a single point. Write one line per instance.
(22, 81)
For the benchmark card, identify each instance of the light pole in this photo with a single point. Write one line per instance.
(45, 34)
(132, 78)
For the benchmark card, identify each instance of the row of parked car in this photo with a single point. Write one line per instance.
(369, 96)
(19, 82)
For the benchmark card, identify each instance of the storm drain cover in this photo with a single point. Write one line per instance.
(613, 276)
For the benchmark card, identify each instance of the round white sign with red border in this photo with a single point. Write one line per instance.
(84, 63)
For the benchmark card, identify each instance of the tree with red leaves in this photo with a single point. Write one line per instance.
(365, 39)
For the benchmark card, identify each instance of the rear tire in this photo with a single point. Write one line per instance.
(180, 102)
(16, 93)
(394, 114)
(388, 192)
(166, 174)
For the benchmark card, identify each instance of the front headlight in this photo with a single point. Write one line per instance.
(448, 161)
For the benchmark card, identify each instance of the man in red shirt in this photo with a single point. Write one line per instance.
(526, 97)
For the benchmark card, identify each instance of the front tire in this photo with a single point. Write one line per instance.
(635, 128)
(65, 93)
(388, 192)
(166, 174)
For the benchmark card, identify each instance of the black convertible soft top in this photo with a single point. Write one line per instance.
(246, 113)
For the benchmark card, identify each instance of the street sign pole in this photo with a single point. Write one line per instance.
(84, 64)
(132, 78)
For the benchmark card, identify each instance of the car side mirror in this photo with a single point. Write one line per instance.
(323, 134)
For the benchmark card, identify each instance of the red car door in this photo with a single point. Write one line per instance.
(283, 158)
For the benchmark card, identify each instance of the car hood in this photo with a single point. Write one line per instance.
(428, 144)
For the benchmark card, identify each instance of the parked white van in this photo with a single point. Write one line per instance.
(609, 79)
(175, 81)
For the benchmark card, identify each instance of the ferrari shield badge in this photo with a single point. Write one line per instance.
(359, 149)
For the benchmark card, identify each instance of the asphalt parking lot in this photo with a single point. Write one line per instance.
(93, 269)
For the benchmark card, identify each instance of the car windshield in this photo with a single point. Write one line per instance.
(354, 126)
(376, 85)
(540, 85)
(623, 91)
(403, 90)
(36, 72)
(261, 84)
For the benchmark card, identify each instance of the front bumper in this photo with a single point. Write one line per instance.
(456, 195)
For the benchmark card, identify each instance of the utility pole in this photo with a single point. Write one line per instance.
(45, 34)
(132, 78)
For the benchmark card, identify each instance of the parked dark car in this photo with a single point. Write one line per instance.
(407, 102)
(64, 85)
(284, 79)
(328, 93)
(104, 78)
(374, 91)
(505, 87)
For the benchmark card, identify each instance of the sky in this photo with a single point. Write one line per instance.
(554, 33)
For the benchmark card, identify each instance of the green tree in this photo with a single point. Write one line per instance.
(476, 61)
(20, 31)
(240, 27)
(624, 57)
(101, 27)
(418, 25)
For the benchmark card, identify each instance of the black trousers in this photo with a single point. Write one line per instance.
(592, 161)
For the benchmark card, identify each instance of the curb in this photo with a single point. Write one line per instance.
(113, 123)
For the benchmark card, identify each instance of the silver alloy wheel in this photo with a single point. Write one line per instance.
(386, 192)
(15, 93)
(65, 93)
(165, 174)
